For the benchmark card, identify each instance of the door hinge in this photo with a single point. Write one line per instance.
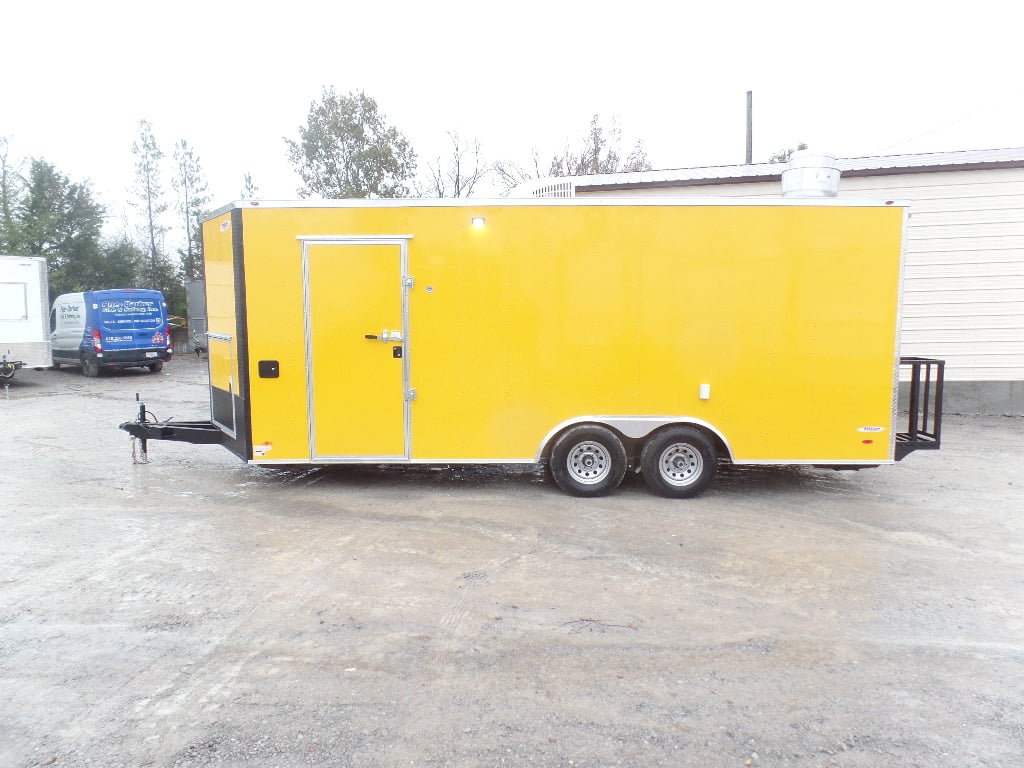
(410, 395)
(408, 282)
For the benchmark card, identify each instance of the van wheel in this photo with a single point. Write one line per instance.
(678, 462)
(90, 367)
(588, 461)
(56, 365)
(156, 367)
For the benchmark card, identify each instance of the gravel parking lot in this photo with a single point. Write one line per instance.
(196, 611)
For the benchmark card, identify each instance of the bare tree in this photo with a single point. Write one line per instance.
(783, 155)
(191, 185)
(149, 194)
(510, 175)
(637, 160)
(459, 174)
(599, 153)
(249, 189)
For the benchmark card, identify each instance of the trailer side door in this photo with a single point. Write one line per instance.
(356, 331)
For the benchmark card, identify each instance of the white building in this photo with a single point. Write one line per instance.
(964, 282)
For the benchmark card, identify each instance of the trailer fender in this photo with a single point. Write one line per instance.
(634, 428)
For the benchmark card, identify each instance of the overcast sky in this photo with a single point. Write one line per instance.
(234, 78)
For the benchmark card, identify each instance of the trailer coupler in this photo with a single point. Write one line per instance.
(8, 367)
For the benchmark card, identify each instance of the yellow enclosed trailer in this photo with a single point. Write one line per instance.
(596, 335)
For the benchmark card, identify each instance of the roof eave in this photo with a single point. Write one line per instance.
(762, 177)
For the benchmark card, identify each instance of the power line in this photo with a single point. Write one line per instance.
(976, 113)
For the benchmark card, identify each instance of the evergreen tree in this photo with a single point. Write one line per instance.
(10, 191)
(60, 220)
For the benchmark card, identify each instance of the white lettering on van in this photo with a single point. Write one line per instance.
(128, 306)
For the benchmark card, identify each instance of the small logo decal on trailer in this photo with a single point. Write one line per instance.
(259, 451)
(871, 429)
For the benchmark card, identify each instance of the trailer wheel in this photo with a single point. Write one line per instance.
(90, 367)
(156, 367)
(588, 461)
(678, 462)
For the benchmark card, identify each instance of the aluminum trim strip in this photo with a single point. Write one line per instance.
(795, 462)
(359, 460)
(387, 460)
(354, 239)
(400, 460)
(636, 427)
(308, 330)
(231, 432)
(893, 428)
(406, 366)
(402, 242)
(594, 200)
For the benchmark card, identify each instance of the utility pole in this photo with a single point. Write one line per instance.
(750, 127)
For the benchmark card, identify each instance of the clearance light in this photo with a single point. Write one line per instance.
(478, 222)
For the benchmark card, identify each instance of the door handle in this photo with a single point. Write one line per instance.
(384, 336)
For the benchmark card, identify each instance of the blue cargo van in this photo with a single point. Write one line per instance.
(121, 328)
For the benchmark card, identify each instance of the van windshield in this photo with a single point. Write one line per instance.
(135, 312)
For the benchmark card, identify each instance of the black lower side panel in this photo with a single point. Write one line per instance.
(223, 408)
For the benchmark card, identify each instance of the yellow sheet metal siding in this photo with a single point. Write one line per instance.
(278, 408)
(549, 313)
(220, 300)
(223, 369)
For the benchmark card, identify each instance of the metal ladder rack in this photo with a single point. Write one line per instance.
(924, 412)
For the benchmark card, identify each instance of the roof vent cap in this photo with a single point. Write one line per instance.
(810, 174)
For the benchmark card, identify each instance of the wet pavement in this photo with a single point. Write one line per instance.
(196, 611)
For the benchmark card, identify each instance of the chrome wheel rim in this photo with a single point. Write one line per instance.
(589, 462)
(680, 464)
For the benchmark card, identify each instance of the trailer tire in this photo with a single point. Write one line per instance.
(90, 367)
(678, 462)
(156, 367)
(588, 460)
